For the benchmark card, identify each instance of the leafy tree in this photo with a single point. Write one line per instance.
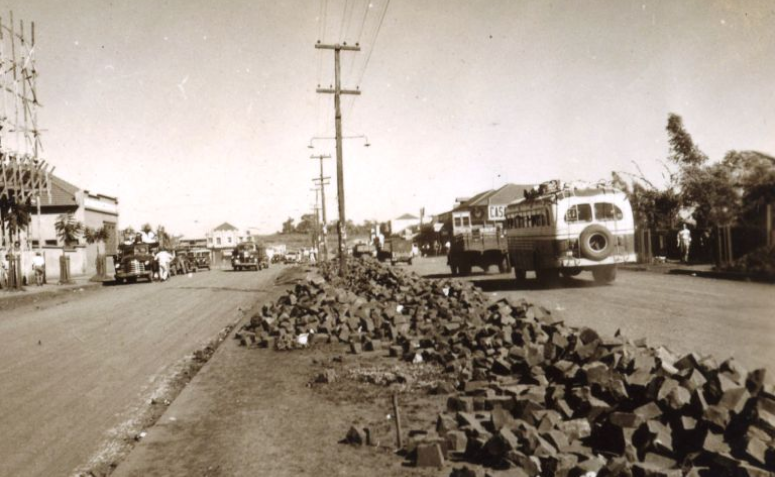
(306, 224)
(97, 236)
(288, 227)
(683, 151)
(68, 229)
(14, 217)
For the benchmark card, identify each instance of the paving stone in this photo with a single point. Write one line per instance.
(429, 455)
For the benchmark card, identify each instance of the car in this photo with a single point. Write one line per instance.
(292, 257)
(362, 250)
(249, 255)
(200, 258)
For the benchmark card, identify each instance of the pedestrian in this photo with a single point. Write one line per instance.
(447, 246)
(684, 243)
(163, 259)
(3, 268)
(39, 267)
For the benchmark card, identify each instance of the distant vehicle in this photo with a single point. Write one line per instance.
(249, 255)
(472, 246)
(292, 257)
(363, 249)
(278, 258)
(393, 248)
(200, 258)
(566, 230)
(135, 261)
(181, 263)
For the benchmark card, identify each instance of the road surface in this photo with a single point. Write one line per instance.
(78, 369)
(722, 318)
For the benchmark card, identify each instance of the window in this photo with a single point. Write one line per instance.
(218, 240)
(458, 223)
(52, 243)
(228, 239)
(466, 221)
(579, 213)
(607, 211)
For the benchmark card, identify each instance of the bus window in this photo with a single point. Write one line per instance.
(579, 213)
(607, 211)
(457, 222)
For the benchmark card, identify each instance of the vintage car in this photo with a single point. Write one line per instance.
(363, 250)
(135, 261)
(200, 258)
(181, 264)
(292, 257)
(249, 255)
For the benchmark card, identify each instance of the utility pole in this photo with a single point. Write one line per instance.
(337, 91)
(321, 182)
(316, 225)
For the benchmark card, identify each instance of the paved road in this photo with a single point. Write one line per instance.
(77, 369)
(709, 316)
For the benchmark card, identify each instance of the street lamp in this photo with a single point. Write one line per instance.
(317, 138)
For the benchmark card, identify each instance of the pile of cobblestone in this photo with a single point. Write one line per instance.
(534, 395)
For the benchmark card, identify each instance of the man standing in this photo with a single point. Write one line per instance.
(39, 267)
(684, 242)
(163, 258)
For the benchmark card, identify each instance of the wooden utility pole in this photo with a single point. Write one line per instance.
(321, 182)
(337, 91)
(316, 225)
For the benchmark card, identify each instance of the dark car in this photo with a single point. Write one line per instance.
(249, 255)
(135, 261)
(200, 258)
(181, 264)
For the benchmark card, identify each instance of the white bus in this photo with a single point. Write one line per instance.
(566, 230)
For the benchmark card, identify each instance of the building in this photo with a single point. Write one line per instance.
(221, 241)
(90, 209)
(483, 210)
(404, 224)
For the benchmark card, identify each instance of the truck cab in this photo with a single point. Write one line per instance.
(135, 260)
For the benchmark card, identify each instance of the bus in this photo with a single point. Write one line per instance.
(564, 230)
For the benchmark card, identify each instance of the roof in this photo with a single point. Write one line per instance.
(62, 193)
(225, 227)
(407, 217)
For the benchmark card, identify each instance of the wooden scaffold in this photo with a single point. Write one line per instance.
(24, 176)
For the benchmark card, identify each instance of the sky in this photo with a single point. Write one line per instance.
(197, 112)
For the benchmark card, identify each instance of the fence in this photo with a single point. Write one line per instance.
(720, 245)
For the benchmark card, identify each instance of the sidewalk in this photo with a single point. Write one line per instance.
(9, 298)
(704, 270)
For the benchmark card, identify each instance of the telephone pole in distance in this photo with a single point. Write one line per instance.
(321, 182)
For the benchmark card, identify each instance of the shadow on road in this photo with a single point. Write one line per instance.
(510, 284)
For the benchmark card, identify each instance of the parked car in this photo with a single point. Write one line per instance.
(200, 258)
(292, 257)
(363, 249)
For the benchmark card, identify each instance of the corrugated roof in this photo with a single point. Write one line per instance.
(62, 193)
(225, 227)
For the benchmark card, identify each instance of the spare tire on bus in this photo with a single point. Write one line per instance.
(596, 242)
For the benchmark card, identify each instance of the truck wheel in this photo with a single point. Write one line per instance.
(520, 275)
(604, 275)
(453, 270)
(465, 269)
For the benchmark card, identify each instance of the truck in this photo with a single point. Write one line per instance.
(391, 247)
(135, 260)
(471, 246)
(249, 255)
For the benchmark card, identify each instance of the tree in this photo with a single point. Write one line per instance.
(288, 227)
(306, 224)
(683, 151)
(68, 229)
(14, 217)
(96, 236)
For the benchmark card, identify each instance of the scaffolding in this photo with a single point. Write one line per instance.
(24, 175)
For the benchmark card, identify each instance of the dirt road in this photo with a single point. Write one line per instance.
(709, 316)
(78, 370)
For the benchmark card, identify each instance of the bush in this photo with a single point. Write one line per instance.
(758, 262)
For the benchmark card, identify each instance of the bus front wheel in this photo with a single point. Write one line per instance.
(605, 274)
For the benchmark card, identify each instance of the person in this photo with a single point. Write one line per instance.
(163, 259)
(3, 268)
(415, 250)
(684, 243)
(447, 246)
(39, 267)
